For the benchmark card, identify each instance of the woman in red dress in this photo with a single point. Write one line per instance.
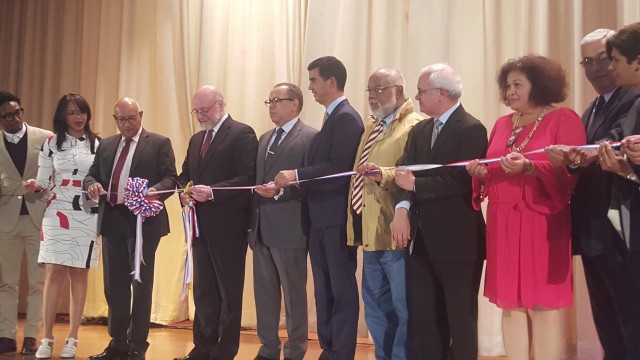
(529, 271)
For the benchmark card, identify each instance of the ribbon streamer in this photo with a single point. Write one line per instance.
(135, 201)
(191, 231)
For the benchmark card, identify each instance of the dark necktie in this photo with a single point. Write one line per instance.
(276, 142)
(597, 109)
(117, 171)
(206, 143)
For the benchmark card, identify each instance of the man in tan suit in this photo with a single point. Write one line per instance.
(21, 216)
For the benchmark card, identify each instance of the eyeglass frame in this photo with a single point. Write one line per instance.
(18, 114)
(197, 112)
(590, 63)
(379, 89)
(127, 120)
(275, 101)
(422, 92)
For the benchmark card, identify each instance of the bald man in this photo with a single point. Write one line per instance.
(134, 152)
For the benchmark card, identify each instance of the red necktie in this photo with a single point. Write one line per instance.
(358, 181)
(115, 178)
(206, 143)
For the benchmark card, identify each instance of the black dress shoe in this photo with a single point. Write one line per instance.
(110, 354)
(260, 357)
(135, 355)
(7, 345)
(192, 357)
(29, 346)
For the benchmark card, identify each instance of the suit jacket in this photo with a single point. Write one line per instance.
(281, 223)
(230, 161)
(153, 160)
(592, 232)
(11, 190)
(450, 228)
(332, 151)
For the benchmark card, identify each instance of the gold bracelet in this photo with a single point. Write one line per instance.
(531, 169)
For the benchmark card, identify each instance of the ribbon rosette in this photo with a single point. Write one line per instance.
(143, 208)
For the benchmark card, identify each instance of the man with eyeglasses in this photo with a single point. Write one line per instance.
(333, 263)
(604, 254)
(278, 232)
(222, 154)
(372, 200)
(448, 246)
(20, 226)
(134, 152)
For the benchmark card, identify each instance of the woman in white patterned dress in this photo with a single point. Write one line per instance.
(70, 245)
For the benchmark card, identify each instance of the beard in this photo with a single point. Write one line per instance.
(381, 111)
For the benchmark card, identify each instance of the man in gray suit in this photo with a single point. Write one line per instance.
(278, 234)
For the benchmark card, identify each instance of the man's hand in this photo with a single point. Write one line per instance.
(183, 199)
(201, 193)
(284, 177)
(95, 190)
(151, 194)
(405, 179)
(31, 185)
(477, 170)
(401, 227)
(613, 161)
(267, 190)
(370, 171)
(631, 147)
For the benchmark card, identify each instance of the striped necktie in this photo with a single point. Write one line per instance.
(358, 181)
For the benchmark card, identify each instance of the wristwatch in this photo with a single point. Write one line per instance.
(633, 177)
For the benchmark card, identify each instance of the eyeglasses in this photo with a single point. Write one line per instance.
(204, 112)
(77, 114)
(16, 114)
(379, 89)
(421, 92)
(589, 63)
(275, 101)
(127, 120)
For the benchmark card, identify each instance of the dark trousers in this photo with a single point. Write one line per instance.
(128, 320)
(333, 265)
(613, 281)
(443, 306)
(217, 292)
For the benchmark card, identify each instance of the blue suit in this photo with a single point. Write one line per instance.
(333, 262)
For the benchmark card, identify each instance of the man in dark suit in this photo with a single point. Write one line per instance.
(333, 262)
(133, 153)
(279, 226)
(223, 154)
(445, 264)
(605, 256)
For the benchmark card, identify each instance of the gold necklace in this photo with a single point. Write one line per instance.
(516, 131)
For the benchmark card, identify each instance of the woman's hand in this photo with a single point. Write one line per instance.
(31, 185)
(514, 163)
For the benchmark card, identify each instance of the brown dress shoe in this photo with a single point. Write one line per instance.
(7, 345)
(29, 346)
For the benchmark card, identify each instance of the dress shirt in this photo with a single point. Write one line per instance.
(15, 138)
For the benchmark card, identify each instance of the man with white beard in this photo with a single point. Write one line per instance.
(372, 200)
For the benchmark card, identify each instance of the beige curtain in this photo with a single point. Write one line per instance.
(160, 51)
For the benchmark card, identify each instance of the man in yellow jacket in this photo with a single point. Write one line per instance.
(372, 203)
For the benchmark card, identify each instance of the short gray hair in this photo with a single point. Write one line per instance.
(442, 76)
(596, 35)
